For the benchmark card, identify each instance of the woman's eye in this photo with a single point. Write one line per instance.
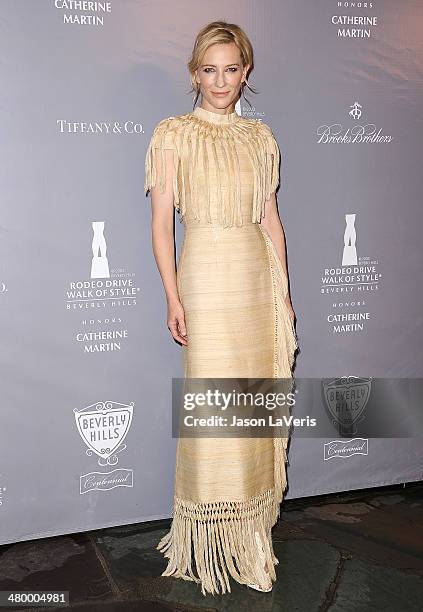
(231, 68)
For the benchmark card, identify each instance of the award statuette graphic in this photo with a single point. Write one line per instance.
(103, 426)
(346, 398)
(99, 264)
(349, 256)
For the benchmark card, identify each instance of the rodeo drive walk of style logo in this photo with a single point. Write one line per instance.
(106, 289)
(349, 283)
(103, 427)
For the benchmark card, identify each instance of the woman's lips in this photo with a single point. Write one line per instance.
(220, 93)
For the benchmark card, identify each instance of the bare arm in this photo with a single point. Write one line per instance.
(273, 225)
(162, 211)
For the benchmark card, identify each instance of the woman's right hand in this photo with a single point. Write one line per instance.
(176, 321)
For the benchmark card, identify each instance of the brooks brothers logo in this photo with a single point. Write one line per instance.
(345, 400)
(357, 275)
(345, 448)
(359, 133)
(107, 288)
(83, 12)
(354, 26)
(355, 111)
(103, 427)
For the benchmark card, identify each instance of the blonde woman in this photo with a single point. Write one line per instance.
(228, 306)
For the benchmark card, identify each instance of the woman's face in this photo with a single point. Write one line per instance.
(220, 76)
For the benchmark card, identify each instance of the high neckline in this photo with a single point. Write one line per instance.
(213, 117)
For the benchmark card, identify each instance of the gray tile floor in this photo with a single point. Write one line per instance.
(360, 551)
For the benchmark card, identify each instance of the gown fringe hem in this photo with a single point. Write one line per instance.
(218, 538)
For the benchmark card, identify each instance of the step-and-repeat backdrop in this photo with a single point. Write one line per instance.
(86, 357)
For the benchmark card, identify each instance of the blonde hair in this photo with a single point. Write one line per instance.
(220, 32)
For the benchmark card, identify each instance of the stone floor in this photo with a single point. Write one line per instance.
(358, 551)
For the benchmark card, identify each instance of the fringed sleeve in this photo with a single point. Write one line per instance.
(274, 156)
(163, 137)
(265, 161)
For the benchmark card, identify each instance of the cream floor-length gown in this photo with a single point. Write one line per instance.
(232, 287)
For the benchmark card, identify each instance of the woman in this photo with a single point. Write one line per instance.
(229, 307)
